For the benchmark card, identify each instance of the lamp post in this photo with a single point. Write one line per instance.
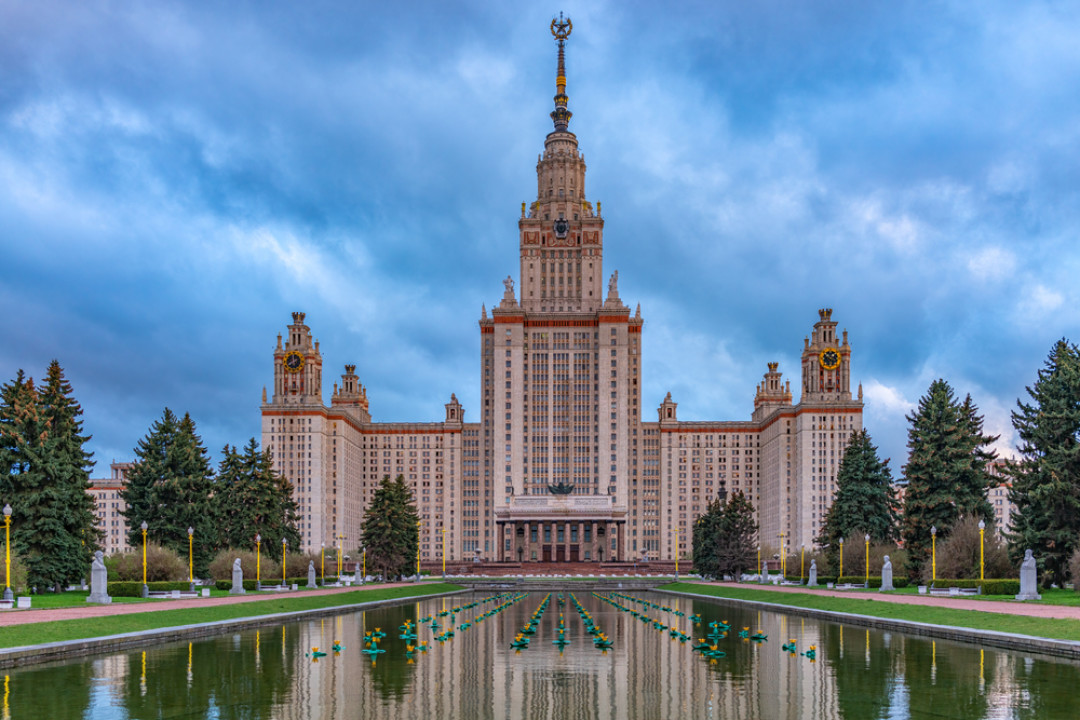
(867, 538)
(841, 560)
(190, 560)
(341, 537)
(933, 554)
(7, 553)
(759, 557)
(982, 567)
(418, 551)
(284, 557)
(783, 563)
(322, 563)
(258, 561)
(363, 566)
(145, 587)
(444, 553)
(802, 564)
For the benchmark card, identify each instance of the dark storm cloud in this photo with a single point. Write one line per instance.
(181, 176)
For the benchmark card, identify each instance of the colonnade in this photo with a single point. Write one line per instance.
(560, 540)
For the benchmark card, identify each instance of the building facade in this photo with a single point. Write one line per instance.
(560, 465)
(109, 508)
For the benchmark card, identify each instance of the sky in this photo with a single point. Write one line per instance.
(177, 178)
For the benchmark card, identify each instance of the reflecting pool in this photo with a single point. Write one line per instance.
(647, 673)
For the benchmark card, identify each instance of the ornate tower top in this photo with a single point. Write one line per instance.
(561, 29)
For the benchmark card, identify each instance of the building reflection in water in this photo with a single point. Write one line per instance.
(268, 673)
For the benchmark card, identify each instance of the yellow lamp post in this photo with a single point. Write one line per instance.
(363, 566)
(759, 557)
(284, 557)
(802, 564)
(783, 562)
(145, 587)
(417, 551)
(867, 538)
(7, 553)
(190, 560)
(841, 560)
(322, 563)
(341, 537)
(444, 552)
(258, 561)
(982, 567)
(933, 554)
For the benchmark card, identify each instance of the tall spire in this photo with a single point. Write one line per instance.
(561, 29)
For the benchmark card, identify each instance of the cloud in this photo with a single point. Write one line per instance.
(992, 263)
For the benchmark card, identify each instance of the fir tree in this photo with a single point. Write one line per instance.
(68, 466)
(945, 471)
(736, 544)
(390, 531)
(170, 489)
(45, 479)
(706, 532)
(251, 498)
(865, 501)
(1046, 478)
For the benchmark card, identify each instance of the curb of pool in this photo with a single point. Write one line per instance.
(992, 638)
(65, 649)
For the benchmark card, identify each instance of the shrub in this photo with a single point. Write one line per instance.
(296, 564)
(990, 587)
(18, 576)
(162, 564)
(958, 554)
(221, 566)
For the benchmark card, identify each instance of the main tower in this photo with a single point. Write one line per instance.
(560, 368)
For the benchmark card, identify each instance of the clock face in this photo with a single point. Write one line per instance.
(562, 226)
(830, 359)
(293, 362)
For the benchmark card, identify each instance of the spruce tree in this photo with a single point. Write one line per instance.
(391, 532)
(68, 467)
(707, 530)
(170, 489)
(865, 501)
(45, 479)
(736, 544)
(1046, 477)
(945, 471)
(251, 498)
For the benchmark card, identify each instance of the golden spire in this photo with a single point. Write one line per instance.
(561, 28)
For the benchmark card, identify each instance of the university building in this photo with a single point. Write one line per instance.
(560, 465)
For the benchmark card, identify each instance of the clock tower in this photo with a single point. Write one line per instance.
(297, 366)
(561, 236)
(826, 363)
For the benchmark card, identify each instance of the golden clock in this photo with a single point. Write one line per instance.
(293, 362)
(830, 359)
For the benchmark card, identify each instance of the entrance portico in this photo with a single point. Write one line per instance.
(561, 528)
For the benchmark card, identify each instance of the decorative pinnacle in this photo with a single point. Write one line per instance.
(561, 28)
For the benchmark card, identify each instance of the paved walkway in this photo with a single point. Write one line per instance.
(1004, 607)
(22, 617)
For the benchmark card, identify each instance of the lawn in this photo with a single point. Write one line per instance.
(59, 630)
(856, 605)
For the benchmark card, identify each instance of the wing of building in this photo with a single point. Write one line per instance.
(561, 466)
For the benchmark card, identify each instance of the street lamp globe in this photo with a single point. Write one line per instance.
(7, 511)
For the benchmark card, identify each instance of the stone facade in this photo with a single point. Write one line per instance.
(109, 507)
(561, 465)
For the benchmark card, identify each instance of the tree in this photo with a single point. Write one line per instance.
(865, 501)
(390, 531)
(1046, 477)
(45, 476)
(725, 538)
(946, 470)
(169, 488)
(250, 498)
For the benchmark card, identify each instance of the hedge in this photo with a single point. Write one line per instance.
(133, 588)
(250, 584)
(989, 587)
(875, 582)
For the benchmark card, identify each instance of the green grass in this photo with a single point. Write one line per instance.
(1020, 624)
(60, 630)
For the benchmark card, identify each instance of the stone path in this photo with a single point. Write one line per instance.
(22, 617)
(1005, 607)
